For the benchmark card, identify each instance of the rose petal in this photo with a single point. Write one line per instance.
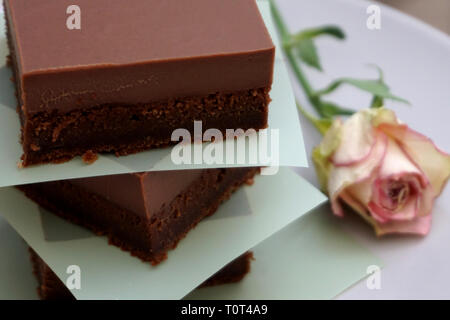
(407, 212)
(358, 139)
(342, 177)
(426, 201)
(353, 203)
(383, 115)
(421, 150)
(358, 207)
(420, 226)
(396, 163)
(362, 191)
(321, 154)
(332, 139)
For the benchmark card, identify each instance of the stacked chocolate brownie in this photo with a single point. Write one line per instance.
(50, 287)
(146, 214)
(121, 82)
(134, 73)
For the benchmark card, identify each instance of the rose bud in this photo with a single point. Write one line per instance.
(388, 173)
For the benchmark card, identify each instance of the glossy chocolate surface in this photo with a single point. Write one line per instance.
(141, 193)
(136, 51)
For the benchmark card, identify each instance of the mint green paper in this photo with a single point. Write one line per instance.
(318, 261)
(109, 273)
(312, 258)
(283, 116)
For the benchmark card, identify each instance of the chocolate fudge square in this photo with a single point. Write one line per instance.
(134, 72)
(50, 287)
(146, 214)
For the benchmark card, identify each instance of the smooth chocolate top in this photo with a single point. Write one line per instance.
(142, 193)
(136, 51)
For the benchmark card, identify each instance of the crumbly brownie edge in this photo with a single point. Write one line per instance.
(123, 130)
(50, 287)
(233, 272)
(206, 197)
(149, 241)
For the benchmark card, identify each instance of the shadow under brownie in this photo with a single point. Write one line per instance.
(146, 214)
(99, 89)
(50, 287)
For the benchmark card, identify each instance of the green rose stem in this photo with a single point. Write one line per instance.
(300, 46)
(322, 125)
(289, 43)
(286, 39)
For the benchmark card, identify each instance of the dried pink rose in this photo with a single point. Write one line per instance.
(385, 171)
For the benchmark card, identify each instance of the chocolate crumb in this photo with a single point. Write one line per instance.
(89, 157)
(250, 182)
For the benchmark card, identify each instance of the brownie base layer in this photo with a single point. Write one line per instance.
(147, 239)
(54, 137)
(50, 287)
(233, 272)
(127, 129)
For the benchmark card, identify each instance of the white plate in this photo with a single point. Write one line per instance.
(416, 60)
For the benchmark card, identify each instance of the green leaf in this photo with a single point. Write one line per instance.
(380, 73)
(333, 31)
(307, 52)
(375, 87)
(330, 110)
